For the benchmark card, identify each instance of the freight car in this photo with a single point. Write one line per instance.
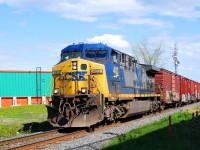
(94, 83)
(176, 89)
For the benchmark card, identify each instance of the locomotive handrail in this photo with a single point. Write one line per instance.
(96, 79)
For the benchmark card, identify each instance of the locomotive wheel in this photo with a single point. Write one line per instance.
(180, 104)
(162, 107)
(176, 105)
(90, 129)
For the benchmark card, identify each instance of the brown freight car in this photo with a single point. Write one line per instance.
(177, 89)
(170, 86)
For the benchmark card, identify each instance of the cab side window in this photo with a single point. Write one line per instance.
(131, 63)
(122, 60)
(127, 63)
(114, 56)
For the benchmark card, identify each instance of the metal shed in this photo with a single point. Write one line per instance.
(24, 87)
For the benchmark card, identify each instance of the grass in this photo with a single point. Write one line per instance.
(31, 111)
(185, 135)
(19, 120)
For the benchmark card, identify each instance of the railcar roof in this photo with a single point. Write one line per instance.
(84, 46)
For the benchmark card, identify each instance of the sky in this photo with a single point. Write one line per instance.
(33, 32)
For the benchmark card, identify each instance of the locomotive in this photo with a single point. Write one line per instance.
(94, 83)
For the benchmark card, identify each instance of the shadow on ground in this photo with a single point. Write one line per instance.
(36, 127)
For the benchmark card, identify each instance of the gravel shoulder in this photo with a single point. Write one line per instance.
(97, 140)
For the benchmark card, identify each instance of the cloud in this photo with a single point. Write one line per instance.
(189, 49)
(147, 22)
(177, 8)
(115, 41)
(84, 10)
(24, 4)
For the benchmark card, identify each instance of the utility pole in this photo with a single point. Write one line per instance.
(176, 62)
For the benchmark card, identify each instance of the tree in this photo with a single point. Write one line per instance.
(149, 54)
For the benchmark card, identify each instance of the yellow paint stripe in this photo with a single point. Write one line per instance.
(133, 95)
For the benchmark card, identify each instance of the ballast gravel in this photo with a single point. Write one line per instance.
(99, 139)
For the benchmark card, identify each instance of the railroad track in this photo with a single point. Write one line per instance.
(44, 139)
(39, 140)
(25, 140)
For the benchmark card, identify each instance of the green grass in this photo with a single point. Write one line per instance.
(185, 135)
(18, 120)
(30, 111)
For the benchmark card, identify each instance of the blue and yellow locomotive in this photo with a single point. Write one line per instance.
(94, 83)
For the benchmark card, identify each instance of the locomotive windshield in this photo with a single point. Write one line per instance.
(69, 55)
(95, 54)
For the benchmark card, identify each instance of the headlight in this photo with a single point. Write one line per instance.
(56, 91)
(83, 90)
(74, 65)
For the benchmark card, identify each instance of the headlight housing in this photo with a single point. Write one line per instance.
(83, 90)
(56, 91)
(74, 65)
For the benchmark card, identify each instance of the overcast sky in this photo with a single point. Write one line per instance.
(33, 32)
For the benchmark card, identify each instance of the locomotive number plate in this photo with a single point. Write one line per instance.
(96, 71)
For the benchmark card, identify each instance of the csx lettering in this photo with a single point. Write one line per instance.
(80, 75)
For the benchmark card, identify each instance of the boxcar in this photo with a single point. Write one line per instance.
(170, 85)
(184, 90)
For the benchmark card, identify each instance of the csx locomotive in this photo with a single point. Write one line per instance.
(94, 83)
